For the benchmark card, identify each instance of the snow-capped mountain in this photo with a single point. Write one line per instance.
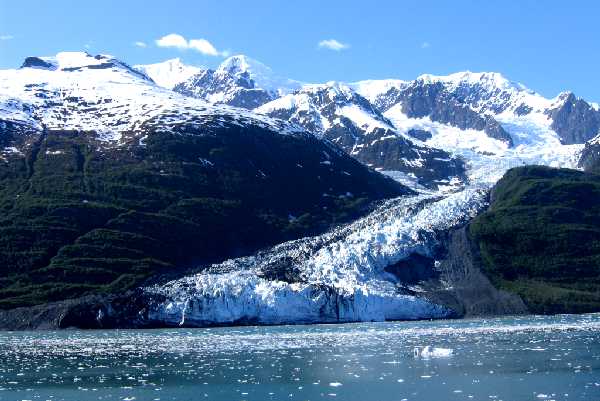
(102, 94)
(336, 112)
(220, 87)
(432, 98)
(346, 275)
(405, 127)
(574, 119)
(111, 179)
(262, 75)
(239, 81)
(590, 156)
(170, 72)
(482, 92)
(481, 101)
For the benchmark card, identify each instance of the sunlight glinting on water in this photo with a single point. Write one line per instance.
(543, 358)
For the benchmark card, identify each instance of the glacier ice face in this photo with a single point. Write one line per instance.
(244, 297)
(337, 277)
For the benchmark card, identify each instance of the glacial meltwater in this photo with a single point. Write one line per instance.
(511, 359)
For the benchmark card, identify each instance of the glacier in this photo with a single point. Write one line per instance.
(340, 276)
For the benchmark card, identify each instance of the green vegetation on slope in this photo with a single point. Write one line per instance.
(76, 218)
(540, 238)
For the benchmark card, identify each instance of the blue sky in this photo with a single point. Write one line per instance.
(548, 45)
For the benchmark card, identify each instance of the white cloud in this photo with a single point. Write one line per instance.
(200, 45)
(140, 44)
(6, 37)
(203, 46)
(172, 40)
(333, 44)
(425, 45)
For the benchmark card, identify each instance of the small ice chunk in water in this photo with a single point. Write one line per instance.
(432, 352)
(335, 384)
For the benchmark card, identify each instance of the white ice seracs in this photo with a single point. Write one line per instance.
(341, 278)
(244, 297)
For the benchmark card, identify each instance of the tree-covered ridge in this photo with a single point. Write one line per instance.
(540, 238)
(79, 218)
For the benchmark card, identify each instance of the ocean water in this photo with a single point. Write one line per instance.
(511, 359)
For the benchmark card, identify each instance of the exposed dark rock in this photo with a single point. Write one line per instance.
(590, 156)
(431, 99)
(420, 134)
(36, 62)
(116, 311)
(523, 110)
(375, 146)
(413, 270)
(221, 87)
(431, 166)
(575, 120)
(464, 287)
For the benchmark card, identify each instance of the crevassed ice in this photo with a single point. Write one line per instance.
(343, 280)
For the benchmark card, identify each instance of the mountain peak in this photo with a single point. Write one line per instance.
(262, 75)
(485, 79)
(170, 72)
(83, 61)
(240, 63)
(65, 60)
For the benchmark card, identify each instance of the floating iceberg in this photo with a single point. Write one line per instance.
(428, 352)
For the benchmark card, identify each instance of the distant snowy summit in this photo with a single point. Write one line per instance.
(262, 75)
(481, 101)
(238, 69)
(170, 72)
